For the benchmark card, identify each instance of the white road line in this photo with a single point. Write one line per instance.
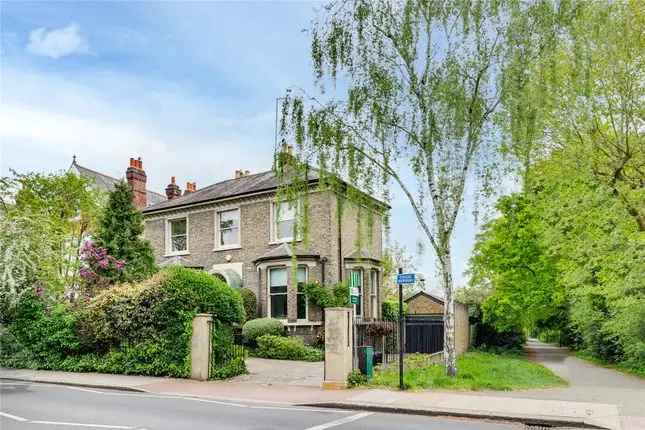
(341, 421)
(13, 417)
(60, 423)
(87, 390)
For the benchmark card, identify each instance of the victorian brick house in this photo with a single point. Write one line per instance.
(238, 231)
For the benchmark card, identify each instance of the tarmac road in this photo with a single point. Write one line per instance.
(42, 406)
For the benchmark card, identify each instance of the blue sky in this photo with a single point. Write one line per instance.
(189, 87)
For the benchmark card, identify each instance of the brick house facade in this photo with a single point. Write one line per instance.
(235, 230)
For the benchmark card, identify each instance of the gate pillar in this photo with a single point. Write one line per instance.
(200, 347)
(339, 328)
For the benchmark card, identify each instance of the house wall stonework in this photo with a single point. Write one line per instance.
(255, 234)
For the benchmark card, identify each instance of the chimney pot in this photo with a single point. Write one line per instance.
(173, 190)
(172, 179)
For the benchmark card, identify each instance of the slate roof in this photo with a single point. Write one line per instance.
(107, 183)
(285, 251)
(255, 183)
(424, 293)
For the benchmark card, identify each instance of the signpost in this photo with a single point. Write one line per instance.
(402, 278)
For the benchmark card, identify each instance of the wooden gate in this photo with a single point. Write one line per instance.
(423, 334)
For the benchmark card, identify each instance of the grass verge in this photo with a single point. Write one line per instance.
(475, 371)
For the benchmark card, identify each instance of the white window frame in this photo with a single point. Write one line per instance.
(301, 266)
(274, 218)
(169, 251)
(238, 245)
(362, 292)
(374, 286)
(268, 280)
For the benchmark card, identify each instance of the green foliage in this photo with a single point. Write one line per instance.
(142, 328)
(120, 232)
(134, 312)
(43, 219)
(336, 295)
(477, 371)
(250, 303)
(262, 326)
(510, 256)
(390, 310)
(355, 378)
(228, 364)
(286, 348)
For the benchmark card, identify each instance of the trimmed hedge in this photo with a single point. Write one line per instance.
(261, 326)
(250, 303)
(142, 328)
(286, 348)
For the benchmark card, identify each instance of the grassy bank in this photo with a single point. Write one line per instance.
(476, 371)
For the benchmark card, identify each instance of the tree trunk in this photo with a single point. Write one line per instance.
(450, 356)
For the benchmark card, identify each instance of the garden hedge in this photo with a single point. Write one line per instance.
(142, 328)
(261, 326)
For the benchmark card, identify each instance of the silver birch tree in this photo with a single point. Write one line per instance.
(422, 81)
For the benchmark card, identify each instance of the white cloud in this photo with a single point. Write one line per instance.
(57, 43)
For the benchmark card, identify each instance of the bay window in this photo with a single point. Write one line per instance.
(278, 292)
(302, 298)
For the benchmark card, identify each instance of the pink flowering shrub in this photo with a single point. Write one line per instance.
(100, 270)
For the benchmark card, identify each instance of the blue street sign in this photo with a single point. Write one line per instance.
(406, 278)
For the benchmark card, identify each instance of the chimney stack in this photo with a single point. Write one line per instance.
(241, 173)
(136, 177)
(191, 187)
(173, 190)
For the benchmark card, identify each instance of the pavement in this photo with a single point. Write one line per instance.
(37, 406)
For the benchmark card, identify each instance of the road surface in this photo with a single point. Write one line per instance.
(41, 406)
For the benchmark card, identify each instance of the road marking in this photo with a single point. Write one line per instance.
(87, 390)
(60, 423)
(341, 421)
(13, 417)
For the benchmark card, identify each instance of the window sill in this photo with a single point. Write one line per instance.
(227, 248)
(286, 240)
(175, 254)
(301, 323)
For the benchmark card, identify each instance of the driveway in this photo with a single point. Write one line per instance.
(283, 372)
(587, 383)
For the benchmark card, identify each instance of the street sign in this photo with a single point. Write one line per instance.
(354, 291)
(353, 300)
(406, 278)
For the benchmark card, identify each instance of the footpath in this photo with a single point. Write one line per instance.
(552, 412)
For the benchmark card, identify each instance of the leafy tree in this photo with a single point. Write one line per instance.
(43, 220)
(423, 82)
(396, 256)
(120, 231)
(510, 255)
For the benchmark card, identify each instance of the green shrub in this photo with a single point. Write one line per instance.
(390, 310)
(161, 304)
(326, 296)
(261, 326)
(140, 328)
(250, 303)
(286, 348)
(356, 378)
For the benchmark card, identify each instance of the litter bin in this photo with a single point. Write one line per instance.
(366, 360)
